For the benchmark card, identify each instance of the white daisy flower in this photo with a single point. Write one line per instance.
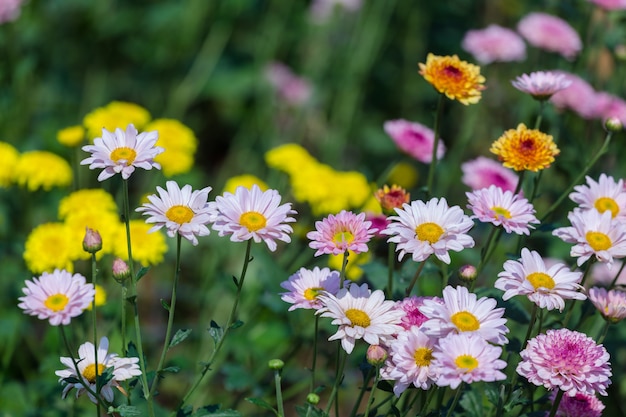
(252, 214)
(546, 287)
(306, 285)
(462, 312)
(361, 315)
(123, 368)
(121, 152)
(422, 229)
(179, 210)
(606, 194)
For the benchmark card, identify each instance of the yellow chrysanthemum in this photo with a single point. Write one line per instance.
(106, 223)
(49, 246)
(148, 248)
(353, 268)
(457, 79)
(71, 136)
(245, 180)
(95, 199)
(404, 175)
(179, 142)
(42, 169)
(8, 160)
(100, 297)
(113, 115)
(525, 149)
(289, 158)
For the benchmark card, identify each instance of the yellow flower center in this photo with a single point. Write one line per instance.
(598, 241)
(342, 237)
(125, 154)
(465, 321)
(501, 211)
(423, 356)
(179, 214)
(525, 149)
(430, 232)
(603, 204)
(540, 279)
(467, 362)
(56, 302)
(457, 79)
(358, 317)
(253, 220)
(89, 373)
(312, 293)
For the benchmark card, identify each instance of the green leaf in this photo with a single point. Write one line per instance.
(172, 369)
(125, 410)
(472, 404)
(214, 410)
(237, 324)
(303, 411)
(105, 377)
(143, 271)
(216, 332)
(165, 305)
(180, 335)
(259, 402)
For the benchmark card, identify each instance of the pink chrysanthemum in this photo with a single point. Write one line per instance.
(414, 139)
(542, 84)
(610, 4)
(289, 87)
(494, 44)
(579, 97)
(566, 360)
(9, 10)
(379, 222)
(306, 285)
(57, 297)
(121, 152)
(501, 208)
(252, 214)
(467, 358)
(594, 234)
(579, 405)
(179, 210)
(611, 304)
(462, 312)
(548, 287)
(422, 229)
(336, 234)
(550, 33)
(361, 315)
(606, 194)
(483, 172)
(412, 314)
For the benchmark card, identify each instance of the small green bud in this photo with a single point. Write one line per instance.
(313, 398)
(613, 124)
(276, 364)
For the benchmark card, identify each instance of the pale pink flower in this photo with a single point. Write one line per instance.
(550, 33)
(467, 358)
(611, 304)
(494, 44)
(579, 405)
(289, 87)
(606, 194)
(610, 4)
(306, 285)
(601, 275)
(567, 360)
(412, 315)
(336, 234)
(322, 10)
(9, 10)
(579, 97)
(57, 297)
(483, 172)
(542, 84)
(414, 139)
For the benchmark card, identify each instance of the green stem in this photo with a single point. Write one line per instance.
(542, 105)
(341, 364)
(391, 249)
(314, 363)
(555, 405)
(94, 274)
(457, 396)
(603, 333)
(279, 394)
(371, 397)
(344, 265)
(414, 280)
(366, 381)
(621, 268)
(520, 183)
(491, 245)
(570, 306)
(433, 162)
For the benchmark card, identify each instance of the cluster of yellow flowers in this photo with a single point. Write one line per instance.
(33, 169)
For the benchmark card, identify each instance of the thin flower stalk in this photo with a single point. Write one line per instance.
(371, 396)
(433, 162)
(408, 290)
(279, 394)
(621, 268)
(94, 274)
(557, 401)
(359, 398)
(457, 396)
(570, 307)
(341, 362)
(391, 260)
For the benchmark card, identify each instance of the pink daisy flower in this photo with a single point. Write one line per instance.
(494, 44)
(9, 10)
(467, 358)
(306, 285)
(336, 234)
(579, 405)
(411, 308)
(121, 152)
(422, 229)
(414, 139)
(462, 312)
(594, 234)
(566, 360)
(606, 194)
(546, 286)
(501, 208)
(483, 172)
(289, 87)
(542, 84)
(610, 4)
(611, 304)
(379, 222)
(601, 275)
(550, 33)
(579, 97)
(252, 214)
(57, 297)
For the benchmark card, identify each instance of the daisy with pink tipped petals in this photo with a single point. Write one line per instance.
(483, 172)
(501, 208)
(361, 314)
(542, 84)
(462, 312)
(179, 210)
(339, 233)
(606, 194)
(120, 152)
(252, 214)
(422, 229)
(611, 304)
(466, 358)
(594, 234)
(306, 285)
(566, 360)
(414, 139)
(548, 287)
(57, 297)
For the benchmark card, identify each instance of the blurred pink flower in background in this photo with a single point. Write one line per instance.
(9, 10)
(610, 4)
(322, 10)
(289, 87)
(482, 172)
(550, 33)
(579, 97)
(494, 43)
(607, 105)
(414, 139)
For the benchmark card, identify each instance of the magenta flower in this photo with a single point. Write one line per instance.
(9, 10)
(494, 44)
(610, 4)
(337, 234)
(379, 222)
(412, 315)
(550, 33)
(579, 405)
(611, 304)
(566, 360)
(414, 139)
(288, 86)
(542, 84)
(579, 97)
(306, 285)
(483, 172)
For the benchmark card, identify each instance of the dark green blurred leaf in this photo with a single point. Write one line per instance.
(180, 335)
(125, 411)
(142, 272)
(237, 324)
(172, 369)
(303, 411)
(472, 404)
(165, 305)
(216, 332)
(259, 402)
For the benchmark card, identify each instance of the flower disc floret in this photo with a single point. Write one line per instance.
(604, 195)
(457, 79)
(336, 234)
(525, 149)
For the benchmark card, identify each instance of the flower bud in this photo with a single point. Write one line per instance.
(276, 364)
(376, 355)
(467, 273)
(121, 271)
(313, 398)
(613, 124)
(392, 198)
(92, 242)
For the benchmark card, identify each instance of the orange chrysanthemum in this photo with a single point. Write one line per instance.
(391, 198)
(457, 79)
(525, 149)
